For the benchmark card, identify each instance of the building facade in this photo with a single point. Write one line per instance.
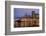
(27, 20)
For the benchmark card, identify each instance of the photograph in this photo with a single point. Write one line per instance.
(26, 17)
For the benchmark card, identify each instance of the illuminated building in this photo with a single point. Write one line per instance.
(28, 20)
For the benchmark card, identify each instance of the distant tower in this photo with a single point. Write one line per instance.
(25, 14)
(29, 15)
(33, 14)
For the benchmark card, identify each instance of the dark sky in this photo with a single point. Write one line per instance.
(18, 12)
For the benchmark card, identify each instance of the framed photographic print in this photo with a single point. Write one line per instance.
(24, 17)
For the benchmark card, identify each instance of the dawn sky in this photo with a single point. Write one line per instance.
(18, 12)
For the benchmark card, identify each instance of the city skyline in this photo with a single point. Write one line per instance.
(26, 17)
(18, 12)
